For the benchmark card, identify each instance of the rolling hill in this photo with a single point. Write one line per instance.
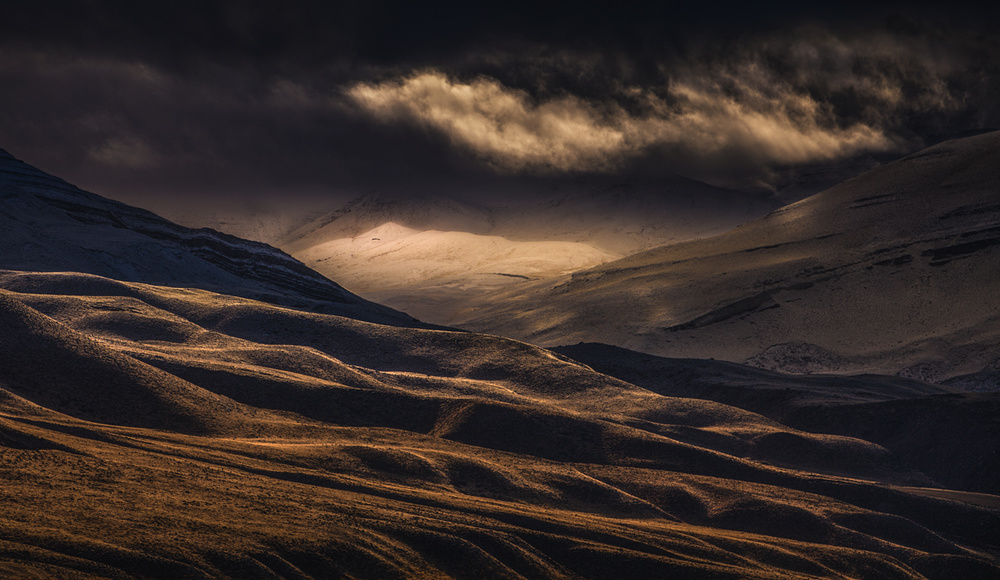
(288, 429)
(162, 432)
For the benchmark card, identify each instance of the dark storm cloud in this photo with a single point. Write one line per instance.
(299, 98)
(797, 96)
(120, 127)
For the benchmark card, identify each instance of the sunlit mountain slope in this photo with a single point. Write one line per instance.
(893, 271)
(422, 253)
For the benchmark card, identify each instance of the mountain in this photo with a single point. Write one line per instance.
(407, 246)
(422, 253)
(255, 221)
(625, 217)
(893, 271)
(421, 212)
(47, 224)
(252, 440)
(392, 256)
(615, 216)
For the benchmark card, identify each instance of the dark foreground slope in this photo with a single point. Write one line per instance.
(895, 270)
(950, 435)
(49, 225)
(294, 444)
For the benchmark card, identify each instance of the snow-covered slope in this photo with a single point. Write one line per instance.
(625, 217)
(47, 224)
(616, 217)
(423, 212)
(897, 270)
(424, 253)
(394, 256)
(256, 222)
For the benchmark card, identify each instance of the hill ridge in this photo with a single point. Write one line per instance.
(53, 225)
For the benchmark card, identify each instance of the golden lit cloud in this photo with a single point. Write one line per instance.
(776, 125)
(501, 124)
(510, 130)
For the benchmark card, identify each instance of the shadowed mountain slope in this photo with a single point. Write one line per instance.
(953, 438)
(763, 391)
(892, 271)
(48, 224)
(375, 451)
(950, 435)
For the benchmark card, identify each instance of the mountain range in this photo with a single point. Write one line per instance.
(179, 403)
(892, 272)
(420, 252)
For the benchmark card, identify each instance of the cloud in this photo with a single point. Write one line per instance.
(511, 131)
(776, 126)
(137, 132)
(299, 115)
(500, 124)
(881, 76)
(743, 108)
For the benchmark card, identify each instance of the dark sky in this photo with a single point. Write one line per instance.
(220, 100)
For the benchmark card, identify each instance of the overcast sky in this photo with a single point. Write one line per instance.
(222, 100)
